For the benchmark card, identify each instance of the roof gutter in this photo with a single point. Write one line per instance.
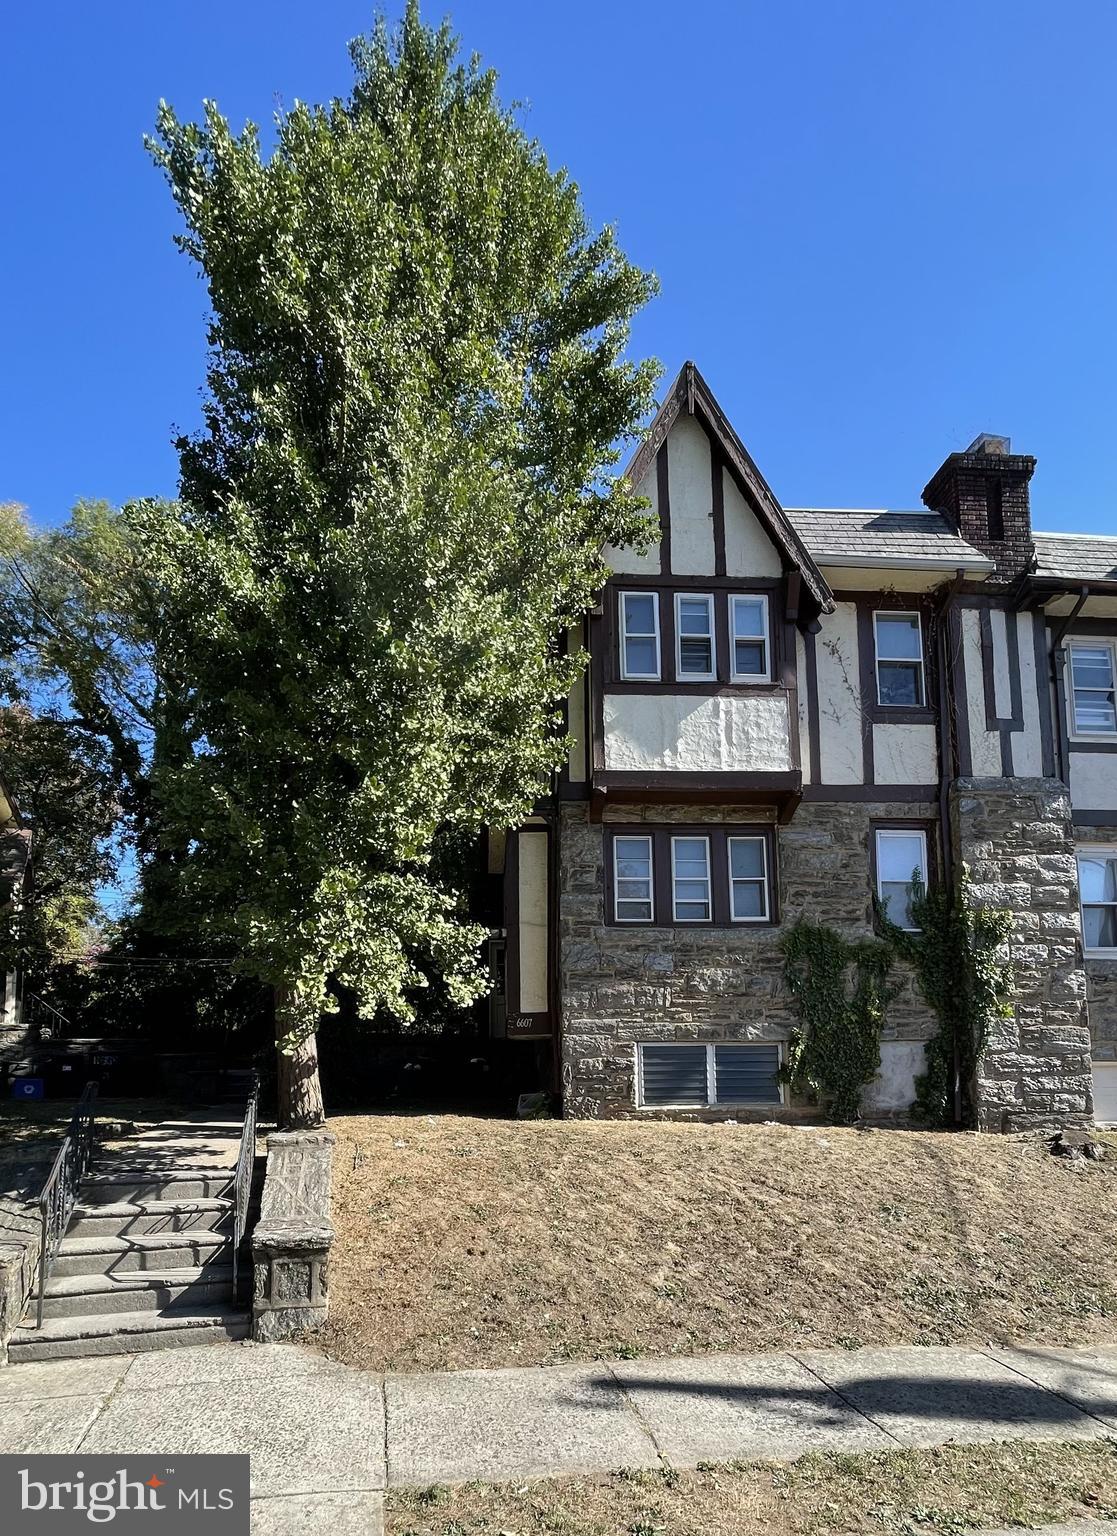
(947, 766)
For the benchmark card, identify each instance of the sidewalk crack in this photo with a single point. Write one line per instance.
(1051, 1391)
(850, 1404)
(630, 1404)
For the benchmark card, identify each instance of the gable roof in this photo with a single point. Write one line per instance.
(1076, 556)
(867, 537)
(691, 393)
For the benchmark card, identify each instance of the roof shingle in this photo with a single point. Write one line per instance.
(850, 536)
(1076, 557)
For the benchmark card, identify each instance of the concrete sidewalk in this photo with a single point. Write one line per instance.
(325, 1440)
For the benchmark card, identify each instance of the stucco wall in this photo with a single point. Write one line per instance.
(905, 754)
(532, 881)
(688, 476)
(697, 732)
(1093, 781)
(620, 985)
(841, 745)
(748, 549)
(628, 562)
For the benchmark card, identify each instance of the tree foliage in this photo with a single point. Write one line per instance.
(416, 388)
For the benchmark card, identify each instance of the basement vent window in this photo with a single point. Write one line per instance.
(691, 1076)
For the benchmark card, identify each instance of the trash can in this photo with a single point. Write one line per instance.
(27, 1087)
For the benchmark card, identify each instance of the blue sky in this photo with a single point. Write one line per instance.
(880, 227)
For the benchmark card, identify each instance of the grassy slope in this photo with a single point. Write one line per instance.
(469, 1242)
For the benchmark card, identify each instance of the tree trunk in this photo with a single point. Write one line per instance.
(298, 1093)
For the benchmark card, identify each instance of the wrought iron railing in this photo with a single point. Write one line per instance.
(242, 1183)
(56, 1203)
(38, 1012)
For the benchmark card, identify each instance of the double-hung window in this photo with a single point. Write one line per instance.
(899, 648)
(748, 624)
(690, 880)
(691, 1075)
(901, 855)
(1092, 677)
(633, 880)
(1097, 883)
(639, 616)
(695, 648)
(748, 879)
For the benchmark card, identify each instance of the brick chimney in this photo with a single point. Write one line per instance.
(984, 493)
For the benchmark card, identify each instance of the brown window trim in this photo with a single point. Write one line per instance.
(930, 830)
(872, 709)
(663, 913)
(720, 588)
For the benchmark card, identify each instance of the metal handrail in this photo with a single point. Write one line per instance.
(38, 1003)
(242, 1183)
(56, 1203)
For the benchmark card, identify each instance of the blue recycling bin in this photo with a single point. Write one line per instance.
(27, 1087)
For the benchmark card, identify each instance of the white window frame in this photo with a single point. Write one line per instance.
(1095, 642)
(1094, 851)
(749, 677)
(692, 837)
(626, 674)
(882, 833)
(712, 1101)
(634, 922)
(695, 677)
(764, 878)
(920, 661)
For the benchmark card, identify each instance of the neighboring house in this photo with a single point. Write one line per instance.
(784, 713)
(15, 881)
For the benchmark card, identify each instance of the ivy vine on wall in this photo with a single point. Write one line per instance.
(843, 987)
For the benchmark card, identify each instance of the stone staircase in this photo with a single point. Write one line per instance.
(146, 1262)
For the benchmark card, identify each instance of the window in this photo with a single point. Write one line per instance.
(901, 854)
(639, 635)
(748, 622)
(1097, 883)
(694, 638)
(690, 879)
(633, 880)
(899, 643)
(748, 880)
(1093, 704)
(690, 1075)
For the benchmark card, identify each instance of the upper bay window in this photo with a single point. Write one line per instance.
(899, 659)
(639, 615)
(695, 649)
(901, 855)
(748, 623)
(1092, 674)
(1097, 883)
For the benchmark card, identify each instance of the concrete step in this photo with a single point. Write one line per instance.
(126, 1333)
(137, 1290)
(114, 1183)
(153, 1251)
(134, 1218)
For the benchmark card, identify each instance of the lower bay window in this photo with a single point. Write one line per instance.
(689, 1075)
(713, 876)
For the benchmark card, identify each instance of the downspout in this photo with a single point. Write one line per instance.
(1057, 662)
(947, 773)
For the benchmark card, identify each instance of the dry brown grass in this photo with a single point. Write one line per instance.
(945, 1491)
(470, 1242)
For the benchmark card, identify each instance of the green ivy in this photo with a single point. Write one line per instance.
(842, 990)
(960, 958)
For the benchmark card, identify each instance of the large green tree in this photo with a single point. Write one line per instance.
(416, 389)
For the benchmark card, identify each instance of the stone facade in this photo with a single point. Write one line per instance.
(1017, 838)
(292, 1239)
(621, 985)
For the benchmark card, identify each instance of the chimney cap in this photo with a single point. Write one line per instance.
(990, 443)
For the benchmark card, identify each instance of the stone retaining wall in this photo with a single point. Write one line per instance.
(1017, 839)
(292, 1239)
(620, 985)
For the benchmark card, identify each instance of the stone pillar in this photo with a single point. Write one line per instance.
(291, 1241)
(1017, 838)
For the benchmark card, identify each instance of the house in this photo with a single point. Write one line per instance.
(785, 713)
